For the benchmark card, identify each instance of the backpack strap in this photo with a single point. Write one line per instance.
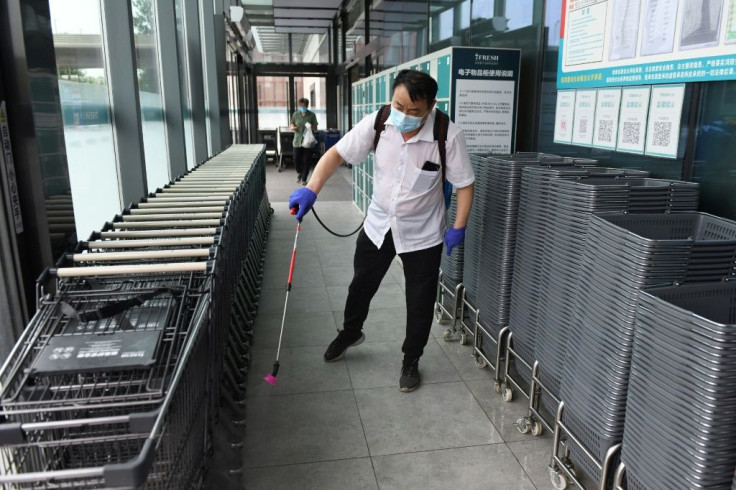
(380, 124)
(441, 124)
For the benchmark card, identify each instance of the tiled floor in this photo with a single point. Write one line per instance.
(345, 425)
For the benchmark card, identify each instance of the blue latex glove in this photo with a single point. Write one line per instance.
(453, 238)
(302, 200)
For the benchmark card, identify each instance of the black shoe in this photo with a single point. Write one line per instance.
(337, 348)
(409, 380)
(298, 179)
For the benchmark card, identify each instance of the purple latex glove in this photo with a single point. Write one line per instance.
(453, 238)
(302, 200)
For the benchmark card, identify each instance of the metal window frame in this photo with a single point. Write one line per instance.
(122, 84)
(214, 79)
(168, 63)
(193, 69)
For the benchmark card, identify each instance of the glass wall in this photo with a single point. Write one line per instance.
(186, 103)
(449, 23)
(85, 103)
(714, 164)
(149, 92)
(311, 48)
(402, 28)
(272, 95)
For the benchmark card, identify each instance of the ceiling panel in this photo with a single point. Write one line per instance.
(281, 22)
(326, 4)
(304, 14)
(304, 30)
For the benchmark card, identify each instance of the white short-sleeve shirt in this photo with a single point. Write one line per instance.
(406, 199)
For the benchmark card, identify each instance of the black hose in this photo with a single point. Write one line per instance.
(332, 232)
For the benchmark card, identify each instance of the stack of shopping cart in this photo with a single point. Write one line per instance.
(680, 420)
(627, 252)
(116, 380)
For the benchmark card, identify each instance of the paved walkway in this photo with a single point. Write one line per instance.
(345, 425)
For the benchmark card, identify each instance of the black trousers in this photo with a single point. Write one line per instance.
(421, 272)
(301, 162)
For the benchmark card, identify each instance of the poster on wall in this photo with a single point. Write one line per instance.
(633, 119)
(563, 116)
(663, 127)
(485, 85)
(605, 129)
(582, 122)
(635, 42)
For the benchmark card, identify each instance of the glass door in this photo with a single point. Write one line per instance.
(273, 102)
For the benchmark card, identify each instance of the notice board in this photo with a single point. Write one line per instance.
(646, 42)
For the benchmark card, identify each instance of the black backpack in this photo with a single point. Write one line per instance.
(441, 123)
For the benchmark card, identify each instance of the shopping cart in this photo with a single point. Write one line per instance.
(172, 268)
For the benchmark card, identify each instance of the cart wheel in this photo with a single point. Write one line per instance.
(507, 394)
(439, 315)
(463, 339)
(497, 387)
(570, 467)
(537, 428)
(479, 362)
(448, 336)
(523, 425)
(559, 480)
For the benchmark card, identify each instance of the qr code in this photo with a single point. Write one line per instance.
(605, 130)
(583, 126)
(631, 133)
(662, 133)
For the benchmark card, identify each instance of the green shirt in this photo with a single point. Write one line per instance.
(299, 120)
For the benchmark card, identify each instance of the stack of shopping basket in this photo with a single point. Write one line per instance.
(116, 380)
(498, 211)
(475, 229)
(536, 228)
(452, 265)
(627, 252)
(570, 207)
(680, 418)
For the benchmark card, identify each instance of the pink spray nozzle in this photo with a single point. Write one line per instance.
(270, 379)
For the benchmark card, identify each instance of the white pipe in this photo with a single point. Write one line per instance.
(161, 242)
(158, 233)
(165, 224)
(168, 204)
(208, 200)
(177, 211)
(153, 217)
(148, 254)
(115, 270)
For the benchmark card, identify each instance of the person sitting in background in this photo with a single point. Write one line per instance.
(301, 155)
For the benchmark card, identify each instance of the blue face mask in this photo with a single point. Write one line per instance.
(303, 109)
(403, 122)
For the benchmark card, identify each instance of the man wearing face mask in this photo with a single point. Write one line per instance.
(301, 155)
(406, 216)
